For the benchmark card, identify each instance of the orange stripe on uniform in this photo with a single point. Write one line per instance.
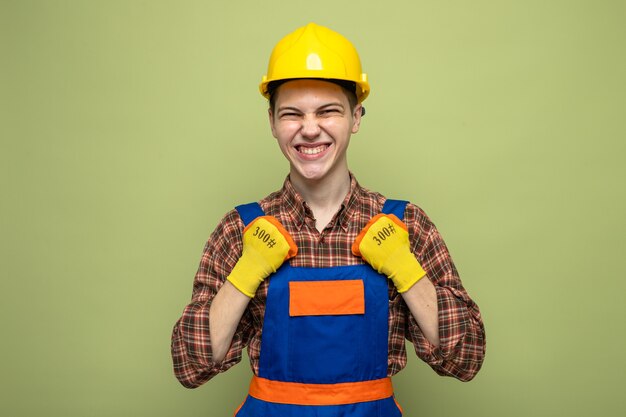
(319, 298)
(320, 394)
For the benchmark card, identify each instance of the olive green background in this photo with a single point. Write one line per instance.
(130, 127)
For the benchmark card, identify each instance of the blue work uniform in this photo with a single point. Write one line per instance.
(323, 356)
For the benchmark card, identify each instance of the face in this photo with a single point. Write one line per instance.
(312, 123)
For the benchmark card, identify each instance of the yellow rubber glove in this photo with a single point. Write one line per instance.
(266, 245)
(384, 244)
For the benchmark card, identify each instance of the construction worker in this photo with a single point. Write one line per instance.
(323, 280)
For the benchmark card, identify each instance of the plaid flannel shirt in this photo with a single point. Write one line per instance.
(461, 331)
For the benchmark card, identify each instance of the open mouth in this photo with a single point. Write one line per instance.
(307, 150)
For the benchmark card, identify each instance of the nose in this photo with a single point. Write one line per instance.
(310, 127)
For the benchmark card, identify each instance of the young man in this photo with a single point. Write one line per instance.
(323, 280)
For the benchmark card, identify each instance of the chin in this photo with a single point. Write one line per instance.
(312, 174)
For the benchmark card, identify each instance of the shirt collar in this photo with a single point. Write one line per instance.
(294, 204)
(298, 209)
(350, 203)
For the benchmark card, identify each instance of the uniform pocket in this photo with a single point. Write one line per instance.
(326, 298)
(328, 331)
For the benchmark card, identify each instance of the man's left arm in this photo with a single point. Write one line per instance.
(444, 324)
(458, 348)
(421, 299)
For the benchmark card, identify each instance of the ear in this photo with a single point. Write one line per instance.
(356, 118)
(270, 114)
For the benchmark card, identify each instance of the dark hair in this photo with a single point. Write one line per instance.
(349, 87)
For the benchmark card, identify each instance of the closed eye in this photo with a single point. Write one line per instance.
(288, 115)
(330, 112)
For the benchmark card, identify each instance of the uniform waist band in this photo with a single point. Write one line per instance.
(320, 394)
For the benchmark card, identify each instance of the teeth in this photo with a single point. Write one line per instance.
(312, 151)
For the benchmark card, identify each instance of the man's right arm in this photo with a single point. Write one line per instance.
(266, 245)
(225, 313)
(203, 345)
(209, 334)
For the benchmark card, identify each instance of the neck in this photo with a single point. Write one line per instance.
(323, 196)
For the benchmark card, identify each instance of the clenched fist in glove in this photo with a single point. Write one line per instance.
(266, 245)
(384, 244)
